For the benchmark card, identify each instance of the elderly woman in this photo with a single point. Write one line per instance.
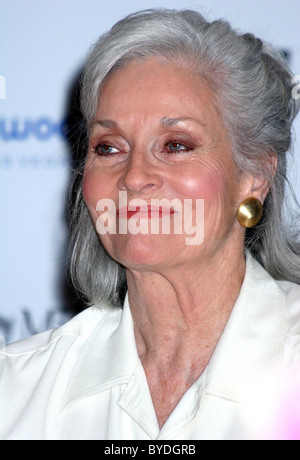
(178, 220)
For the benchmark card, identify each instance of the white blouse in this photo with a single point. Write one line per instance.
(85, 381)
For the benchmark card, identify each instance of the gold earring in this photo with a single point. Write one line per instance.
(250, 212)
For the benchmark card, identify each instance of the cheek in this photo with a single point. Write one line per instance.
(208, 185)
(216, 187)
(96, 185)
(93, 190)
(87, 184)
(89, 190)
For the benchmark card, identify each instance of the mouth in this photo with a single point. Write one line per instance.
(148, 212)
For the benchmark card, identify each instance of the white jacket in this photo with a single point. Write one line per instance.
(85, 379)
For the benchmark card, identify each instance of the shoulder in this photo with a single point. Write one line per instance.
(290, 294)
(56, 341)
(35, 373)
(292, 304)
(278, 294)
(268, 285)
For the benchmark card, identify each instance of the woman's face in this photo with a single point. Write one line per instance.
(157, 135)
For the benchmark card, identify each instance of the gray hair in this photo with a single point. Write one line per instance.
(253, 86)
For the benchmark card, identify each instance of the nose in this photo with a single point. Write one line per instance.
(140, 175)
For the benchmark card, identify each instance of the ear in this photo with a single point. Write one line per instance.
(258, 186)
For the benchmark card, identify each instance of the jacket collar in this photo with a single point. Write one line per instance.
(108, 358)
(252, 340)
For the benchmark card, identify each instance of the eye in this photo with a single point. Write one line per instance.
(105, 150)
(177, 147)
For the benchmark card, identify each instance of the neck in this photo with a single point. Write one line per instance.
(179, 313)
(179, 317)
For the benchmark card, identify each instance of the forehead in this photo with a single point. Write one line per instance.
(156, 84)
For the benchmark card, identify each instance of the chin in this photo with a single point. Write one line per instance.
(142, 251)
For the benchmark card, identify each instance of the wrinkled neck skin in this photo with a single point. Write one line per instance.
(179, 315)
(177, 304)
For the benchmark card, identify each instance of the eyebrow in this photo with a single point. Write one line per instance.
(169, 122)
(109, 124)
(165, 122)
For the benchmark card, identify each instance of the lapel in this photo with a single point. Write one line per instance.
(251, 345)
(253, 339)
(108, 357)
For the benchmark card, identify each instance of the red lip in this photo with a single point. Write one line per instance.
(148, 212)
